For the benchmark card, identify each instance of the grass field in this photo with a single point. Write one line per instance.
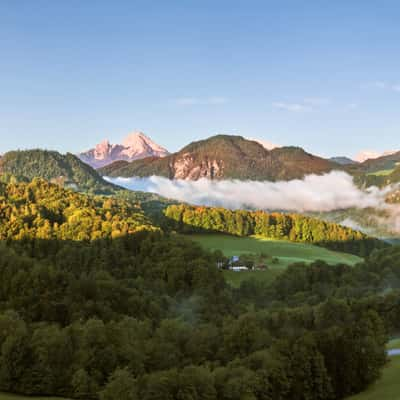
(388, 387)
(287, 253)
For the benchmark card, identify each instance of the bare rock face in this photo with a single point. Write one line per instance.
(187, 168)
(134, 147)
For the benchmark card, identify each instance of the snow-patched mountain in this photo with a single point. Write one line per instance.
(372, 155)
(134, 147)
(265, 143)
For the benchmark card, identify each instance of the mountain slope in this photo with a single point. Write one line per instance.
(66, 170)
(134, 147)
(226, 157)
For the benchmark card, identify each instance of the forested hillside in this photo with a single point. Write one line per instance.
(98, 303)
(66, 170)
(39, 209)
(293, 227)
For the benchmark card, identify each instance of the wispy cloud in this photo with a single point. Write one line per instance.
(292, 107)
(383, 85)
(305, 105)
(193, 101)
(351, 106)
(316, 101)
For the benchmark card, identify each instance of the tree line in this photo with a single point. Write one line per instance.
(293, 227)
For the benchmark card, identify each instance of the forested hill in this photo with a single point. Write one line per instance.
(226, 157)
(66, 170)
(43, 210)
(98, 304)
(293, 227)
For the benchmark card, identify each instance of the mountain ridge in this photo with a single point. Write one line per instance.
(135, 146)
(226, 157)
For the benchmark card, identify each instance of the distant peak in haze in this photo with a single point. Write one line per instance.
(135, 146)
(372, 155)
(265, 143)
(342, 160)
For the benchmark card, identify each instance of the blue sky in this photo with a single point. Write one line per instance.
(324, 75)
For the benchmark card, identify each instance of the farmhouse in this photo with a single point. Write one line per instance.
(238, 268)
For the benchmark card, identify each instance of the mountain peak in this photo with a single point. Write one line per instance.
(134, 147)
(134, 137)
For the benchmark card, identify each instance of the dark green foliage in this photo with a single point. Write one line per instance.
(97, 303)
(149, 316)
(293, 227)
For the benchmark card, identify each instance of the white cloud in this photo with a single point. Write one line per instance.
(332, 191)
(315, 193)
(191, 101)
(306, 104)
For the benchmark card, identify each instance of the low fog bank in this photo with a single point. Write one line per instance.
(315, 193)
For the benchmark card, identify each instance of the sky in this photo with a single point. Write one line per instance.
(323, 75)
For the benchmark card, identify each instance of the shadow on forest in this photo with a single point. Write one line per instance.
(360, 247)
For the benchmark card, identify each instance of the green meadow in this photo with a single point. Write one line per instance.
(286, 252)
(388, 386)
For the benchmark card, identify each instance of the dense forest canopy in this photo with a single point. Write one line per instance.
(99, 302)
(293, 227)
(42, 210)
(149, 316)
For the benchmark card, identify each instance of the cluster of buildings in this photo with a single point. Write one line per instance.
(234, 264)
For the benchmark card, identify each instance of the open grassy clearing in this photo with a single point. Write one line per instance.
(387, 387)
(384, 172)
(287, 253)
(394, 344)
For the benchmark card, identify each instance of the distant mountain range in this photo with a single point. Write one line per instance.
(343, 160)
(134, 147)
(226, 157)
(218, 157)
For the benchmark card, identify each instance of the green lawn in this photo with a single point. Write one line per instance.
(394, 344)
(287, 253)
(386, 388)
